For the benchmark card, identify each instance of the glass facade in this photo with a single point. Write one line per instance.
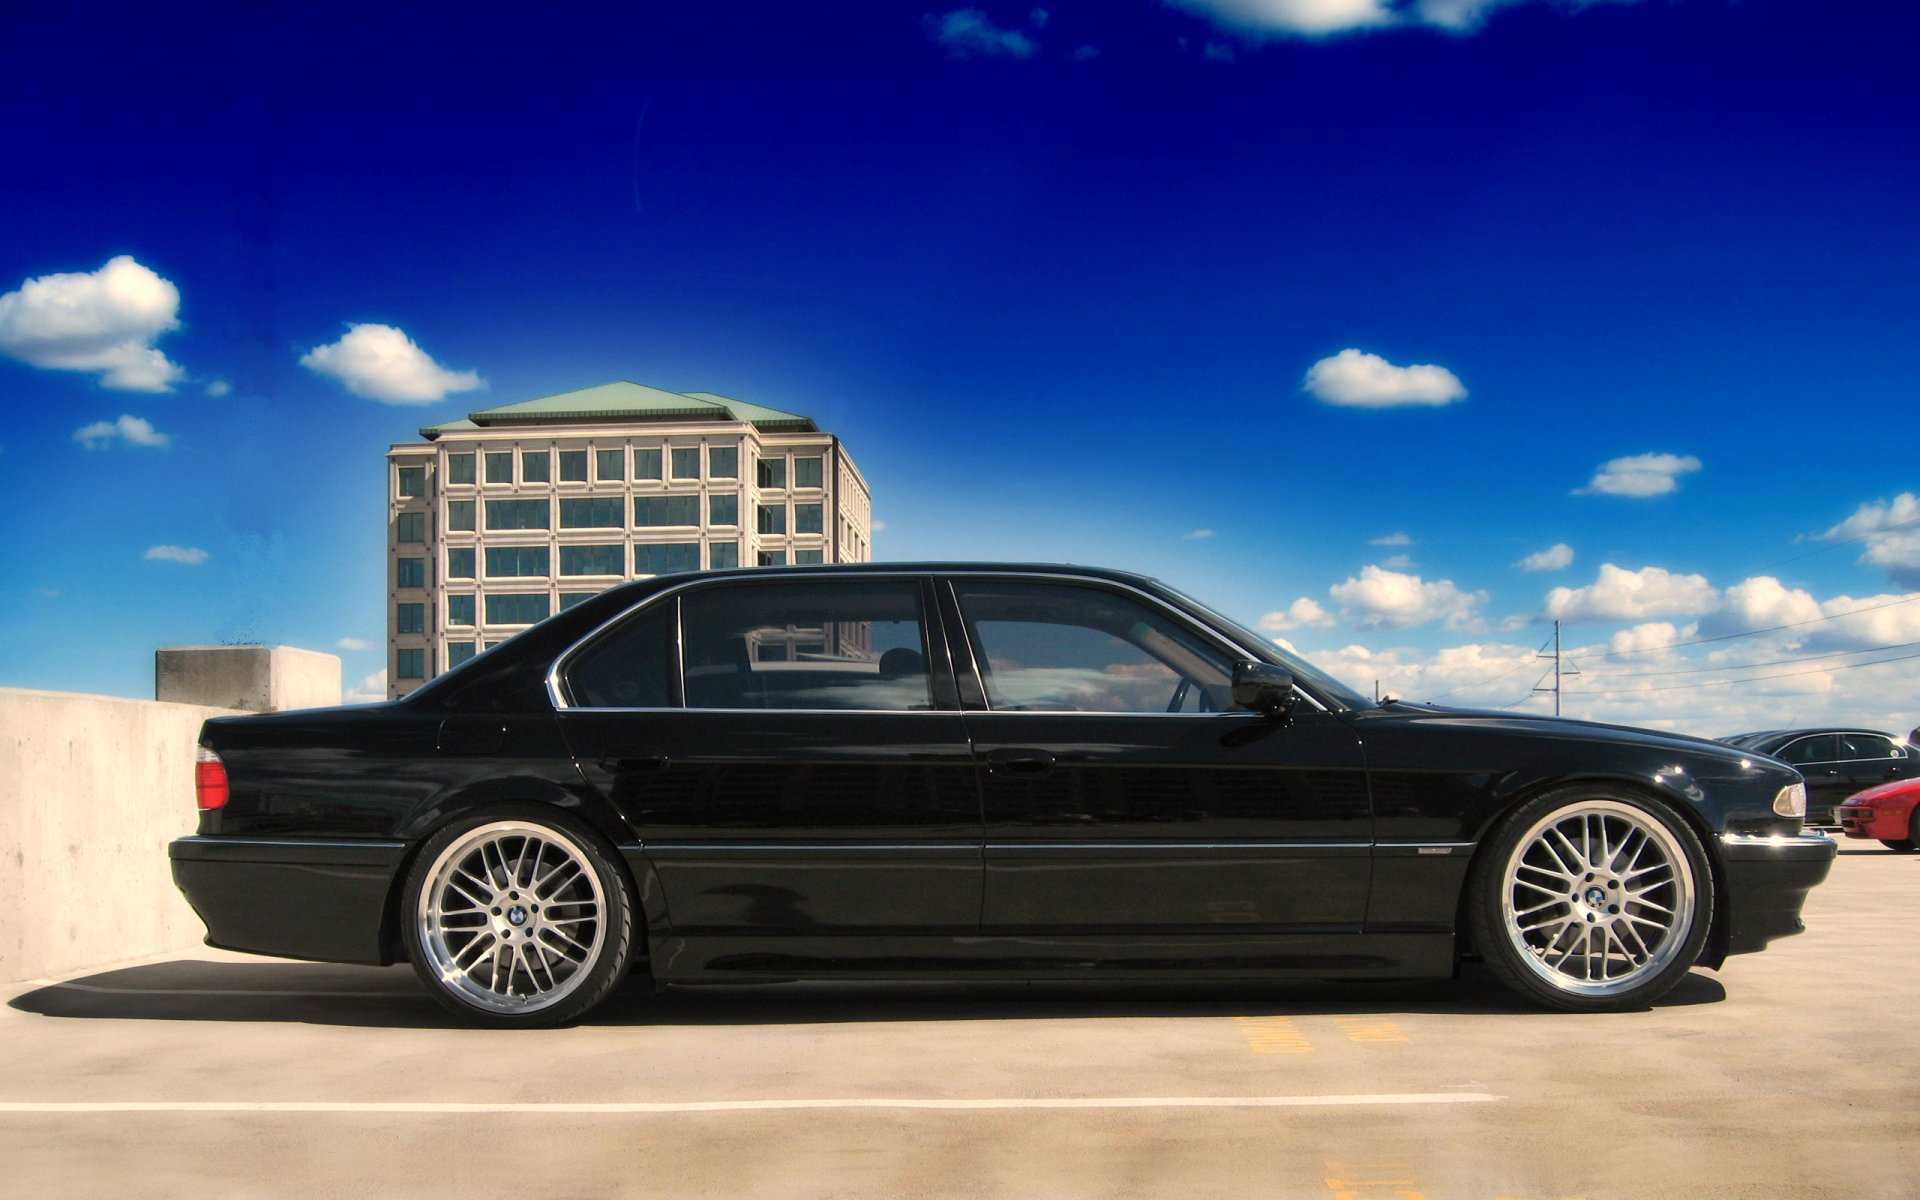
(459, 468)
(411, 527)
(610, 466)
(722, 555)
(519, 562)
(573, 466)
(593, 560)
(460, 562)
(723, 462)
(500, 466)
(517, 608)
(535, 466)
(771, 473)
(410, 618)
(413, 481)
(646, 464)
(723, 509)
(652, 511)
(806, 558)
(460, 515)
(773, 558)
(460, 609)
(661, 557)
(597, 512)
(410, 663)
(517, 514)
(686, 462)
(569, 599)
(411, 572)
(457, 653)
(809, 518)
(806, 472)
(773, 518)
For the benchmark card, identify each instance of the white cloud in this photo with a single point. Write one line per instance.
(1381, 599)
(134, 431)
(1037, 18)
(1085, 54)
(970, 33)
(354, 643)
(1310, 18)
(219, 387)
(1304, 613)
(1892, 532)
(1618, 594)
(1554, 558)
(103, 321)
(1355, 379)
(879, 527)
(192, 556)
(382, 363)
(1196, 535)
(1391, 539)
(1640, 475)
(1761, 602)
(368, 690)
(1399, 562)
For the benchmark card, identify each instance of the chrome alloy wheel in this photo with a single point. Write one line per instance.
(1598, 897)
(512, 917)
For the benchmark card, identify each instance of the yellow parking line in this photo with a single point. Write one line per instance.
(1370, 1029)
(1273, 1035)
(1372, 1181)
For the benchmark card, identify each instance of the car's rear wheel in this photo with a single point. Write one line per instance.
(1591, 900)
(519, 918)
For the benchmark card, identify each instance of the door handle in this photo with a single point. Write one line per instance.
(632, 760)
(1019, 762)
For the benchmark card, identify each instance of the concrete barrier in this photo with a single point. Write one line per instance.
(92, 789)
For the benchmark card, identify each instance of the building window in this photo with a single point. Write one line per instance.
(807, 518)
(723, 508)
(519, 562)
(535, 466)
(410, 618)
(460, 563)
(500, 466)
(457, 653)
(772, 472)
(608, 512)
(609, 466)
(517, 514)
(412, 573)
(807, 558)
(460, 516)
(686, 462)
(459, 468)
(661, 557)
(773, 518)
(773, 558)
(521, 608)
(806, 472)
(723, 462)
(460, 609)
(722, 555)
(569, 599)
(652, 511)
(593, 560)
(411, 527)
(646, 464)
(573, 466)
(413, 481)
(410, 664)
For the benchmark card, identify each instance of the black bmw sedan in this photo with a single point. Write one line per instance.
(969, 771)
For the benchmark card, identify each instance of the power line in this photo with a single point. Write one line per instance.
(1747, 666)
(1727, 637)
(1676, 687)
(1467, 687)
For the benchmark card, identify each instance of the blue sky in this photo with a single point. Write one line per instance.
(1061, 277)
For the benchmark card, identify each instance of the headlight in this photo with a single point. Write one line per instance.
(1791, 801)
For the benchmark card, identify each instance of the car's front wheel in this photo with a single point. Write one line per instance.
(518, 918)
(1911, 842)
(1592, 900)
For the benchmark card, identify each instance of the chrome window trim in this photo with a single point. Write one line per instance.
(557, 695)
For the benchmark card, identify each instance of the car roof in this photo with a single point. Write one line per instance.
(1789, 734)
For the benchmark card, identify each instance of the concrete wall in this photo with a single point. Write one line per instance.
(91, 791)
(256, 678)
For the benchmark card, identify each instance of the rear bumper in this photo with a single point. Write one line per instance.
(291, 898)
(1768, 879)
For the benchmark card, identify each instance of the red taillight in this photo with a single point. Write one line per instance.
(209, 779)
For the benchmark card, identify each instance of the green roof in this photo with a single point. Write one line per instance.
(624, 401)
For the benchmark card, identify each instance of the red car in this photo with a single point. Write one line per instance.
(1890, 812)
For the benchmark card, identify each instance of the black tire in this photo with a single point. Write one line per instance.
(1903, 845)
(526, 872)
(1645, 899)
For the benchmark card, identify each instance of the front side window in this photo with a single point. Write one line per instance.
(1055, 648)
(806, 472)
(413, 481)
(723, 462)
(593, 512)
(650, 511)
(517, 514)
(517, 609)
(460, 562)
(806, 644)
(593, 560)
(610, 466)
(808, 518)
(410, 618)
(773, 518)
(460, 516)
(662, 557)
(686, 462)
(534, 466)
(411, 527)
(573, 466)
(499, 466)
(630, 666)
(510, 562)
(1819, 748)
(459, 468)
(412, 573)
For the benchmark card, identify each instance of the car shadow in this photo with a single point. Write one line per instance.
(390, 997)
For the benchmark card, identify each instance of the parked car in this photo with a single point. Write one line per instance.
(1835, 762)
(979, 772)
(1889, 813)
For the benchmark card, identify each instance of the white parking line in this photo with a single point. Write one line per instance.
(32, 1107)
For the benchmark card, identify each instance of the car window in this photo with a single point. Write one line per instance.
(806, 644)
(1057, 648)
(1866, 745)
(629, 666)
(1818, 748)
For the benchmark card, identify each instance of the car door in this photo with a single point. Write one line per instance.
(1871, 759)
(1817, 757)
(803, 788)
(1121, 798)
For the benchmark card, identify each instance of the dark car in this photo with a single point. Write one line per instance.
(979, 772)
(1836, 762)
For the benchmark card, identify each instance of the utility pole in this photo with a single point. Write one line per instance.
(1555, 656)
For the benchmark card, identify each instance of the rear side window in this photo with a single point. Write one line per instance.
(806, 644)
(1867, 745)
(631, 666)
(1819, 748)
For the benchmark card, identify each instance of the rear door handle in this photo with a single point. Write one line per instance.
(1019, 762)
(627, 761)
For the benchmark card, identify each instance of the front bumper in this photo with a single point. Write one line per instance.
(1865, 822)
(289, 897)
(1768, 879)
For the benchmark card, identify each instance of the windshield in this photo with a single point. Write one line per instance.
(1304, 672)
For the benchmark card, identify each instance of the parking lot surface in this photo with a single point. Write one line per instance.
(1792, 1073)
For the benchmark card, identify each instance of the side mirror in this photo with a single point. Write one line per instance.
(1263, 688)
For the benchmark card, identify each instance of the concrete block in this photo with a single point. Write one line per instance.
(253, 678)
